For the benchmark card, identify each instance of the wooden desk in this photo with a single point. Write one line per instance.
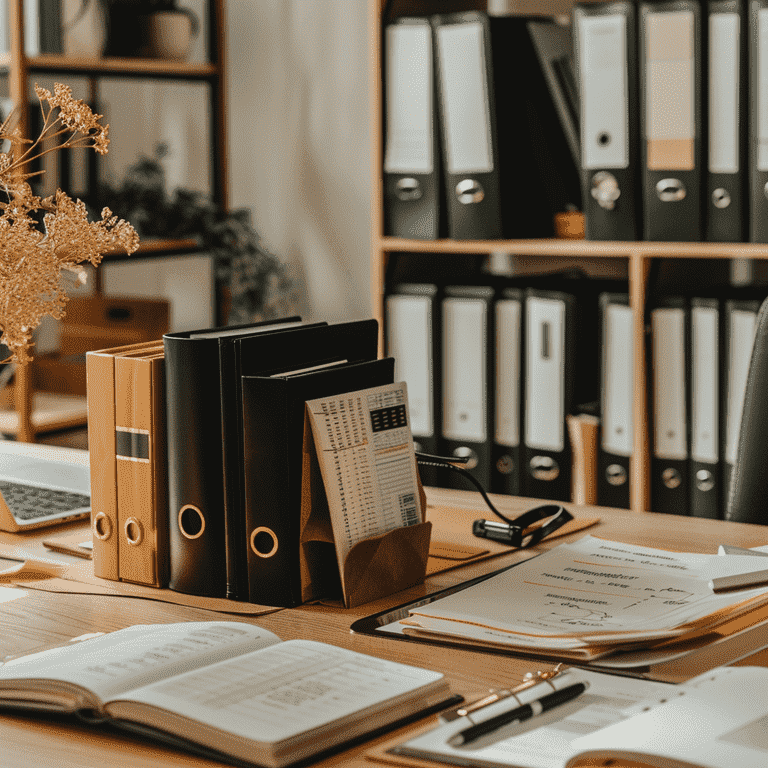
(29, 619)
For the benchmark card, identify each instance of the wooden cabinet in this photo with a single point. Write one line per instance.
(639, 256)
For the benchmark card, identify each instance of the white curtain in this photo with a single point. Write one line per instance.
(299, 142)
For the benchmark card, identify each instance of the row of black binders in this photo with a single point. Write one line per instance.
(701, 348)
(673, 122)
(235, 408)
(481, 136)
(495, 368)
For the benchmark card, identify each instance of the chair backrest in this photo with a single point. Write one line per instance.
(748, 494)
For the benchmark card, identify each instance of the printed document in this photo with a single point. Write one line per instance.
(366, 455)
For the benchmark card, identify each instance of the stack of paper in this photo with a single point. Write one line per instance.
(591, 599)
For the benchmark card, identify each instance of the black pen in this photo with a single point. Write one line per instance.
(519, 714)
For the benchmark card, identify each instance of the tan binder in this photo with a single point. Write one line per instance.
(100, 377)
(142, 477)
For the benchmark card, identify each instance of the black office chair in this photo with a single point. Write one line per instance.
(748, 494)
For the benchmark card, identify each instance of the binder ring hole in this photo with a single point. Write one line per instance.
(464, 452)
(604, 139)
(470, 191)
(191, 521)
(615, 474)
(102, 526)
(263, 542)
(408, 189)
(133, 531)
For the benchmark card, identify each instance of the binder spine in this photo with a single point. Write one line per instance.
(549, 367)
(412, 333)
(669, 463)
(412, 183)
(671, 119)
(195, 470)
(141, 471)
(508, 389)
(704, 377)
(467, 111)
(758, 131)
(100, 382)
(467, 351)
(616, 401)
(727, 67)
(605, 43)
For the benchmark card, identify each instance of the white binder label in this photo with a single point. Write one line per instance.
(508, 351)
(464, 369)
(742, 335)
(724, 92)
(545, 360)
(465, 100)
(409, 99)
(603, 58)
(762, 89)
(704, 389)
(668, 329)
(670, 90)
(409, 341)
(617, 381)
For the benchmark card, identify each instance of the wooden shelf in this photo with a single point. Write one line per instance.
(118, 66)
(156, 247)
(586, 248)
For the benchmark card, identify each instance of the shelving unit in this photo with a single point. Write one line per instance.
(639, 255)
(20, 69)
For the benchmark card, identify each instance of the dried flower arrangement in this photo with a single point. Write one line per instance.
(34, 261)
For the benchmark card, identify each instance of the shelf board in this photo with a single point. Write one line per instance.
(156, 247)
(115, 66)
(584, 248)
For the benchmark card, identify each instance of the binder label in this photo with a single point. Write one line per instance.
(724, 92)
(762, 90)
(603, 56)
(668, 329)
(409, 341)
(617, 381)
(670, 91)
(464, 358)
(545, 358)
(465, 99)
(704, 394)
(409, 99)
(508, 356)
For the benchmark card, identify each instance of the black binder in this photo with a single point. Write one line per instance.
(726, 189)
(605, 43)
(705, 382)
(507, 392)
(616, 401)
(412, 334)
(412, 185)
(671, 117)
(467, 366)
(263, 354)
(669, 370)
(195, 465)
(507, 165)
(758, 122)
(273, 424)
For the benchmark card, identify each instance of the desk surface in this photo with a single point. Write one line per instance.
(29, 619)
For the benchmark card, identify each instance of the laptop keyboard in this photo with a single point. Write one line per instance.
(27, 502)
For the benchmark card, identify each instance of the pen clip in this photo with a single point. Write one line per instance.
(493, 696)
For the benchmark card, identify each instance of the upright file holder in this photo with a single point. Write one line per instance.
(374, 568)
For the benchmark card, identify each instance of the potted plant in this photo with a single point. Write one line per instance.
(257, 283)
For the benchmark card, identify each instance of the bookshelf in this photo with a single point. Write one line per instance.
(639, 256)
(20, 71)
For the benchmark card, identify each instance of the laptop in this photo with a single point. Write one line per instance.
(36, 491)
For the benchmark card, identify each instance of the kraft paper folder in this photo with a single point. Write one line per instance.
(374, 568)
